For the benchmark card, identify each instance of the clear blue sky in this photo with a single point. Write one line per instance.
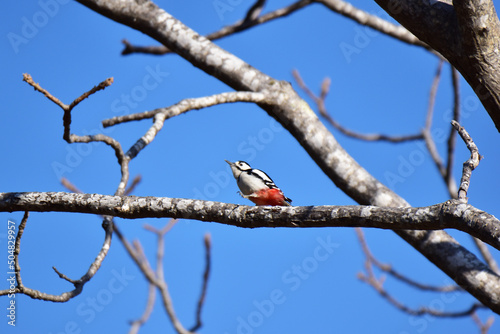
(383, 87)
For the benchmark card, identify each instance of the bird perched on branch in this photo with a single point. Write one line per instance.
(257, 186)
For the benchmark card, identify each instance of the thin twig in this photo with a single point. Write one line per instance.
(452, 138)
(136, 324)
(432, 95)
(426, 132)
(483, 327)
(377, 284)
(17, 249)
(470, 164)
(160, 115)
(70, 186)
(446, 173)
(27, 78)
(421, 310)
(106, 83)
(389, 270)
(190, 104)
(63, 297)
(107, 223)
(132, 186)
(67, 107)
(254, 12)
(72, 138)
(155, 277)
(486, 254)
(320, 102)
(206, 275)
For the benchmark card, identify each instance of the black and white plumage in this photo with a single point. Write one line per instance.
(252, 182)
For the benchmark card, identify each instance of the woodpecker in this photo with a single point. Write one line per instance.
(257, 186)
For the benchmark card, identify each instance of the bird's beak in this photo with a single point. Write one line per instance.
(229, 162)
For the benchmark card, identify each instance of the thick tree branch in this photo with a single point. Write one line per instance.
(469, 38)
(451, 214)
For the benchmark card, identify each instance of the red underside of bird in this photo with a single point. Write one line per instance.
(272, 197)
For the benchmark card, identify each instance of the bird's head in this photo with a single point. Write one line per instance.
(238, 167)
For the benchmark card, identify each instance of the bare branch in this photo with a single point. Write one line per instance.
(451, 214)
(378, 285)
(163, 287)
(106, 83)
(151, 50)
(155, 278)
(429, 141)
(27, 78)
(432, 96)
(17, 249)
(296, 116)
(224, 32)
(206, 275)
(72, 138)
(70, 186)
(103, 139)
(254, 12)
(190, 104)
(67, 108)
(469, 42)
(64, 297)
(64, 277)
(360, 16)
(388, 269)
(160, 115)
(420, 311)
(452, 138)
(483, 327)
(483, 249)
(470, 164)
(486, 254)
(132, 186)
(136, 324)
(320, 102)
